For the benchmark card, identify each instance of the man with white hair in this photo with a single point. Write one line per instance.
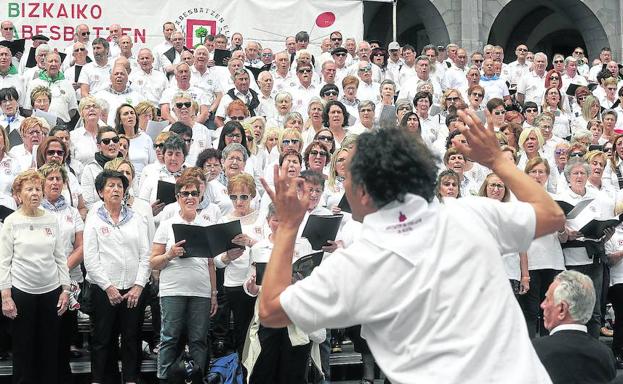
(252, 54)
(119, 92)
(569, 353)
(172, 56)
(148, 81)
(531, 87)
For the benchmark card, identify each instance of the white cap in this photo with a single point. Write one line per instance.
(393, 46)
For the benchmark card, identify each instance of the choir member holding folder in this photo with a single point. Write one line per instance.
(241, 189)
(585, 252)
(187, 284)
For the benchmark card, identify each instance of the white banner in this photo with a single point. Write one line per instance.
(267, 21)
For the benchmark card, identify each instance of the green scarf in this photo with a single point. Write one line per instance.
(43, 75)
(12, 71)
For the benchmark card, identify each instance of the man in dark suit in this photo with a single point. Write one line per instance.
(569, 354)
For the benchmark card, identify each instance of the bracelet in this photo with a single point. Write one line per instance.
(525, 277)
(214, 293)
(66, 291)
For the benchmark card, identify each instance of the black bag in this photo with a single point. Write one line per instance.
(85, 298)
(184, 370)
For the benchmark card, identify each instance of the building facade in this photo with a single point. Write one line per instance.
(550, 26)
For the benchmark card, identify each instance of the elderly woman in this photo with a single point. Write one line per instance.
(545, 260)
(531, 142)
(241, 189)
(293, 120)
(451, 98)
(335, 117)
(174, 154)
(455, 161)
(512, 131)
(290, 139)
(350, 85)
(34, 281)
(387, 91)
(316, 156)
(141, 151)
(186, 111)
(609, 119)
(108, 149)
(116, 258)
(515, 264)
(448, 185)
(402, 106)
(596, 129)
(32, 130)
(313, 124)
(71, 228)
(235, 160)
(597, 161)
(187, 285)
(270, 145)
(580, 254)
(83, 138)
(9, 166)
(365, 122)
(40, 98)
(283, 105)
(53, 150)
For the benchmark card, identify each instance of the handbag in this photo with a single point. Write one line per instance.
(85, 298)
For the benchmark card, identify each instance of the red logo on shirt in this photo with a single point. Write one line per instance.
(402, 217)
(69, 219)
(105, 231)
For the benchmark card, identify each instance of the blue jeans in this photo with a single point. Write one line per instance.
(179, 313)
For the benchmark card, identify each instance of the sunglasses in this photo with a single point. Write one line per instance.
(159, 146)
(331, 93)
(107, 140)
(306, 70)
(365, 69)
(340, 54)
(577, 154)
(249, 138)
(188, 141)
(233, 136)
(188, 193)
(79, 50)
(554, 78)
(578, 53)
(85, 33)
(498, 113)
(186, 104)
(612, 89)
(531, 110)
(8, 28)
(59, 153)
(452, 99)
(324, 138)
(236, 118)
(290, 141)
(314, 152)
(559, 152)
(241, 197)
(476, 94)
(336, 39)
(405, 109)
(558, 61)
(477, 61)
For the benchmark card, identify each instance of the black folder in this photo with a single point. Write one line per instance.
(207, 241)
(594, 229)
(302, 268)
(221, 57)
(320, 229)
(4, 213)
(15, 46)
(166, 192)
(344, 205)
(15, 138)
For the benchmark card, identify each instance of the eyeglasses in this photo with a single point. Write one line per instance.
(159, 146)
(537, 172)
(107, 140)
(188, 193)
(211, 166)
(612, 89)
(59, 153)
(407, 108)
(314, 152)
(186, 104)
(496, 186)
(79, 50)
(452, 99)
(290, 141)
(267, 54)
(33, 133)
(233, 136)
(476, 94)
(305, 70)
(531, 110)
(239, 197)
(554, 78)
(236, 118)
(498, 113)
(366, 69)
(91, 106)
(331, 93)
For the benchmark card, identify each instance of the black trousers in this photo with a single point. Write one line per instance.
(35, 336)
(108, 322)
(68, 329)
(540, 280)
(242, 306)
(279, 362)
(616, 298)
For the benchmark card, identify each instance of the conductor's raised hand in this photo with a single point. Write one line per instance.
(290, 198)
(482, 145)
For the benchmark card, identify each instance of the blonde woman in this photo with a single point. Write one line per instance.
(334, 190)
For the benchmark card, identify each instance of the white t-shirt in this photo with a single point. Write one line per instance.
(442, 269)
(70, 223)
(615, 244)
(188, 276)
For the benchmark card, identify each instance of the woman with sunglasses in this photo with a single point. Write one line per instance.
(236, 262)
(188, 288)
(186, 111)
(475, 96)
(316, 157)
(108, 149)
(53, 150)
(62, 132)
